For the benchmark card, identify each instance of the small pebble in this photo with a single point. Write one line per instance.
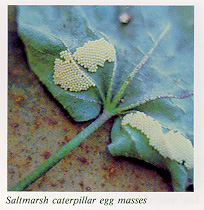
(124, 18)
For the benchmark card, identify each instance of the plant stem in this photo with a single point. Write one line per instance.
(60, 154)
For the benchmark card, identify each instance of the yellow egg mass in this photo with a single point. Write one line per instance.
(68, 74)
(170, 145)
(94, 54)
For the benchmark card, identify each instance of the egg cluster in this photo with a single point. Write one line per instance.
(181, 148)
(172, 144)
(151, 128)
(94, 54)
(68, 74)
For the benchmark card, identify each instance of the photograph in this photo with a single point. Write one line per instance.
(100, 98)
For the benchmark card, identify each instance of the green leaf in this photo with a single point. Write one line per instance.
(43, 30)
(130, 142)
(47, 30)
(176, 114)
(170, 70)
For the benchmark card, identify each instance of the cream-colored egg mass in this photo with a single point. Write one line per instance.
(94, 54)
(68, 74)
(171, 145)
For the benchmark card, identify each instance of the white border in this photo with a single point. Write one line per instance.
(155, 200)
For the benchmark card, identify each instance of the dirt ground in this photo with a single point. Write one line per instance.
(38, 126)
